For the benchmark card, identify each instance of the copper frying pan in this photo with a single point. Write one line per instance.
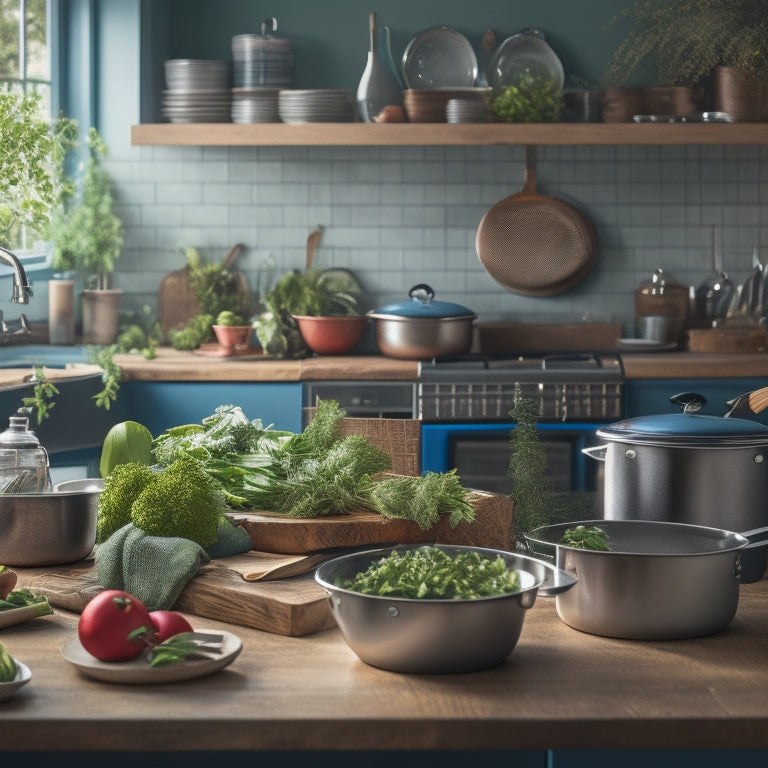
(533, 244)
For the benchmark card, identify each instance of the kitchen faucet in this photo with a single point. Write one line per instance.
(20, 295)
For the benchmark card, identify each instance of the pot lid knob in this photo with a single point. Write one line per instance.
(690, 402)
(422, 292)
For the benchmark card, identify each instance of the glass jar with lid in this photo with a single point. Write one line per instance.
(24, 465)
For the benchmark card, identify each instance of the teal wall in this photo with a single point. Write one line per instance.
(330, 39)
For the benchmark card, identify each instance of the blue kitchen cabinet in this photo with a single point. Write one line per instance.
(644, 397)
(163, 404)
(667, 758)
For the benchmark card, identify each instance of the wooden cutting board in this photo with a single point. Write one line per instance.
(270, 532)
(294, 606)
(176, 301)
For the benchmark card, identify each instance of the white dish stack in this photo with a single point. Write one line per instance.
(198, 91)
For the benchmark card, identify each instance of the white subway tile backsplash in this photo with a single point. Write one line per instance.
(402, 215)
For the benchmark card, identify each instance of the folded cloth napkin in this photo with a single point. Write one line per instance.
(155, 569)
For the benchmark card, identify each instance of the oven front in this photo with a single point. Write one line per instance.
(481, 452)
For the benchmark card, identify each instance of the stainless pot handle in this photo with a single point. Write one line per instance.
(754, 557)
(553, 580)
(596, 452)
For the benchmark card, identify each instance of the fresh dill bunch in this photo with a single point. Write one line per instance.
(333, 483)
(424, 499)
(531, 487)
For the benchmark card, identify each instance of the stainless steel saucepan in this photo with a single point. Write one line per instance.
(658, 581)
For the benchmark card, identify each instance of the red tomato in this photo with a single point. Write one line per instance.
(168, 624)
(106, 622)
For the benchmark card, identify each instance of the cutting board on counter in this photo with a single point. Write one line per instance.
(270, 532)
(294, 606)
(176, 301)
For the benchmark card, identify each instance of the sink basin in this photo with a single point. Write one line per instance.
(27, 355)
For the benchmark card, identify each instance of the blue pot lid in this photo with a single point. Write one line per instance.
(687, 428)
(422, 304)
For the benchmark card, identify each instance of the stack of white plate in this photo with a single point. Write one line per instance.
(316, 106)
(199, 91)
(255, 105)
(262, 62)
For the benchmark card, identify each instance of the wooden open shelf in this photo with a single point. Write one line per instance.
(445, 134)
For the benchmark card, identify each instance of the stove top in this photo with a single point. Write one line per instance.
(567, 387)
(560, 367)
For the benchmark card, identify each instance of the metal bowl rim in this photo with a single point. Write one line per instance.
(740, 542)
(373, 554)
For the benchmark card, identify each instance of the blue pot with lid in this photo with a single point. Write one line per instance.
(688, 467)
(423, 328)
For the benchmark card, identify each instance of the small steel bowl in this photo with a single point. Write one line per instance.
(53, 528)
(435, 636)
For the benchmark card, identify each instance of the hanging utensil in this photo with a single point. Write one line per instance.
(313, 239)
(534, 244)
(713, 296)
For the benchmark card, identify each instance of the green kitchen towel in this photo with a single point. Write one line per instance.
(232, 540)
(155, 569)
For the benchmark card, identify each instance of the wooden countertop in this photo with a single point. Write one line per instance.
(559, 688)
(173, 365)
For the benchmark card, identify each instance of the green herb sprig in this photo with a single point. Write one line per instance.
(586, 537)
(42, 395)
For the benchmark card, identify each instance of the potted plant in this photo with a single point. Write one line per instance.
(315, 310)
(232, 332)
(687, 41)
(88, 237)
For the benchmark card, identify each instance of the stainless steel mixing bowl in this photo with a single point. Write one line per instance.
(435, 636)
(53, 528)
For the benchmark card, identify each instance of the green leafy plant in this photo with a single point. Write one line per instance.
(532, 100)
(87, 233)
(111, 377)
(41, 400)
(229, 319)
(215, 287)
(32, 152)
(314, 293)
(684, 40)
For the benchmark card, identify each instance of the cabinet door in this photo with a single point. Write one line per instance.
(160, 405)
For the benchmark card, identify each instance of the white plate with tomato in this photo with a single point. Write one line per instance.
(139, 671)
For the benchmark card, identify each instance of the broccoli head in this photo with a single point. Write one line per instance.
(183, 501)
(122, 486)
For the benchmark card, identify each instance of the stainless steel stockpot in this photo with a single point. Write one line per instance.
(423, 328)
(659, 581)
(435, 636)
(686, 468)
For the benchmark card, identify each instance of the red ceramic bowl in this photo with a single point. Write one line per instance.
(330, 335)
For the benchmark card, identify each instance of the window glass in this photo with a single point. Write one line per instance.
(25, 66)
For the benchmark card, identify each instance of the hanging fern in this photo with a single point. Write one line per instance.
(684, 40)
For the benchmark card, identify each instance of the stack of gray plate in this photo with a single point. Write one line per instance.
(316, 106)
(199, 91)
(262, 61)
(255, 105)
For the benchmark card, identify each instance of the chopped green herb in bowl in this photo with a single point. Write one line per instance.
(432, 574)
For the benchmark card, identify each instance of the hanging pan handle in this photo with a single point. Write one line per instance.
(748, 405)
